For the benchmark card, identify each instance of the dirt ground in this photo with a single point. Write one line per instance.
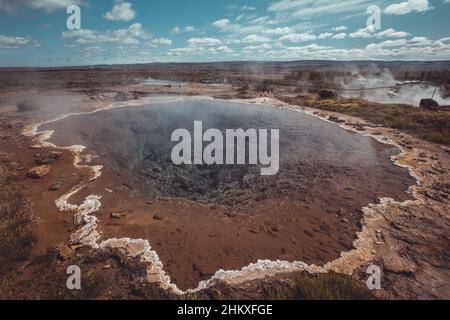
(181, 231)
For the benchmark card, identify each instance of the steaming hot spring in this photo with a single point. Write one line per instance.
(202, 218)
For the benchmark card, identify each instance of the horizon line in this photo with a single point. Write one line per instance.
(218, 62)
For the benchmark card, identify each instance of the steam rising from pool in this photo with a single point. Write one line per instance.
(318, 160)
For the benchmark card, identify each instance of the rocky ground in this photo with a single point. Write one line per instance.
(408, 240)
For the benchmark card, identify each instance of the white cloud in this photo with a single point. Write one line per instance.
(278, 31)
(189, 29)
(420, 41)
(260, 47)
(121, 12)
(252, 25)
(45, 5)
(325, 35)
(220, 50)
(340, 28)
(254, 38)
(446, 38)
(247, 8)
(222, 23)
(132, 35)
(162, 41)
(408, 7)
(183, 51)
(390, 49)
(299, 37)
(391, 33)
(386, 44)
(304, 9)
(341, 35)
(17, 42)
(232, 41)
(201, 42)
(266, 20)
(367, 32)
(398, 49)
(286, 5)
(178, 30)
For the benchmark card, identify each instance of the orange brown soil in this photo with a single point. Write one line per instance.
(52, 226)
(190, 236)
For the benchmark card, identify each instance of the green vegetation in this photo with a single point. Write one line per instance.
(330, 286)
(299, 286)
(23, 276)
(432, 126)
(16, 237)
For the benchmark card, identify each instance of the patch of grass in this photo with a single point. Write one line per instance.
(16, 237)
(42, 283)
(432, 126)
(299, 286)
(329, 286)
(24, 275)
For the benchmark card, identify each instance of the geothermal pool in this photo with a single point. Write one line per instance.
(227, 216)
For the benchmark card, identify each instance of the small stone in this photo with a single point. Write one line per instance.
(335, 119)
(277, 228)
(158, 217)
(64, 253)
(39, 172)
(261, 197)
(309, 233)
(345, 220)
(107, 267)
(48, 158)
(127, 186)
(56, 186)
(117, 215)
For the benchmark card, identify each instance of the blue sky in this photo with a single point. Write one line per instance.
(34, 32)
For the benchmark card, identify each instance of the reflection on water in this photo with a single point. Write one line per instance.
(302, 137)
(318, 160)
